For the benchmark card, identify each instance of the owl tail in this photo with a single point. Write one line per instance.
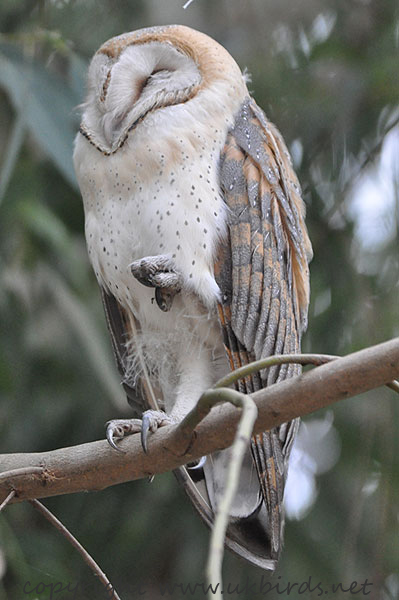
(248, 530)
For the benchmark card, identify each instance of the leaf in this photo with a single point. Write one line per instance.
(47, 102)
(14, 145)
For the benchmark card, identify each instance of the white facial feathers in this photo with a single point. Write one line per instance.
(144, 77)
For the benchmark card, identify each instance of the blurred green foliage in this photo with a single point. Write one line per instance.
(327, 74)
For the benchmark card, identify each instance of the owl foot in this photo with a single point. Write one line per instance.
(119, 428)
(197, 465)
(157, 272)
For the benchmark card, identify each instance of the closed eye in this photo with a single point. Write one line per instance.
(161, 74)
(156, 74)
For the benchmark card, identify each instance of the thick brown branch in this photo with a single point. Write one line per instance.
(95, 465)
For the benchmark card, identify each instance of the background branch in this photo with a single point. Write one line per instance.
(110, 590)
(94, 466)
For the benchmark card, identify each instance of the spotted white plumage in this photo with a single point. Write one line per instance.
(168, 140)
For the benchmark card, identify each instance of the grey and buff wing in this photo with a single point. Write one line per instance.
(122, 327)
(262, 272)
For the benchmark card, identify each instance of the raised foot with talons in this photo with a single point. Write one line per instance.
(158, 272)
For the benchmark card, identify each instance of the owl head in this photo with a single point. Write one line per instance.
(136, 73)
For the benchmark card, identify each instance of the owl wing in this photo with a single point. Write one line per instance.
(262, 272)
(122, 327)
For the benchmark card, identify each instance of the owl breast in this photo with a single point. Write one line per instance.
(158, 195)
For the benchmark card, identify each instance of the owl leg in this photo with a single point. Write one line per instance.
(151, 421)
(117, 429)
(158, 272)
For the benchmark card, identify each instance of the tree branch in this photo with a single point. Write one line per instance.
(7, 500)
(110, 590)
(95, 466)
(238, 450)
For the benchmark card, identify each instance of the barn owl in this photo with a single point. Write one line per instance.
(195, 230)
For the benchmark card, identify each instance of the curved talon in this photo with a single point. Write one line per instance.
(109, 433)
(145, 427)
(158, 272)
(164, 298)
(199, 464)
